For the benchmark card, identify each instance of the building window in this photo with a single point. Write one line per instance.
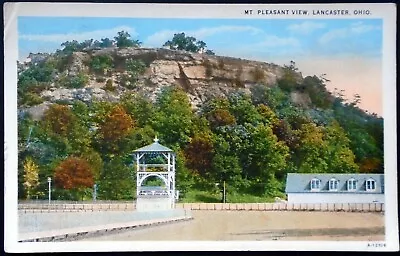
(315, 184)
(333, 185)
(351, 185)
(370, 185)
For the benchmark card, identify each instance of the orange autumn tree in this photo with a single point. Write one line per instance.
(116, 125)
(59, 119)
(74, 173)
(199, 153)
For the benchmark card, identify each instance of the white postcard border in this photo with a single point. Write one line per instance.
(12, 11)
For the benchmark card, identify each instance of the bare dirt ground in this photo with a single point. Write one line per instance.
(261, 226)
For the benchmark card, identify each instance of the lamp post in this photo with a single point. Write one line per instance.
(224, 193)
(49, 181)
(94, 192)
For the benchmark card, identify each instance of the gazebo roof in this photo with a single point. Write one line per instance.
(154, 147)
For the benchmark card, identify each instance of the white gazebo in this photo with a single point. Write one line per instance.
(155, 160)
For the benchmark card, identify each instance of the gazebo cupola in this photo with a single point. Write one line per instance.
(155, 160)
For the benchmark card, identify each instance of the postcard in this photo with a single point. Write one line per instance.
(200, 127)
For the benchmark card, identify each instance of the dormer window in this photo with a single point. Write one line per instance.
(352, 185)
(370, 185)
(333, 185)
(315, 184)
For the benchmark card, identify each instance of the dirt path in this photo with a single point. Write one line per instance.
(257, 226)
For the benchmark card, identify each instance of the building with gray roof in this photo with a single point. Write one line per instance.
(335, 188)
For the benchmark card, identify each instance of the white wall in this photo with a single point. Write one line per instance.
(153, 204)
(334, 198)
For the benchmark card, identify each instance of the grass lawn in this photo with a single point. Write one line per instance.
(198, 196)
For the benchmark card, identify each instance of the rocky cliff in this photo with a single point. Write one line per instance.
(200, 75)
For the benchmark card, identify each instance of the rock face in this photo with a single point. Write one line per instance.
(200, 75)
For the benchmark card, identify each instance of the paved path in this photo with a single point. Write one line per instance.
(67, 226)
(72, 234)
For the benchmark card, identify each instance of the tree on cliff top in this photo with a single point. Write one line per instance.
(123, 39)
(187, 43)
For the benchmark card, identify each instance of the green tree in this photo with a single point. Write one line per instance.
(106, 42)
(269, 158)
(243, 109)
(289, 80)
(340, 158)
(310, 155)
(173, 117)
(117, 181)
(139, 107)
(187, 43)
(316, 89)
(123, 39)
(71, 46)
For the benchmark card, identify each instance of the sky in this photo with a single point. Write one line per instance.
(348, 51)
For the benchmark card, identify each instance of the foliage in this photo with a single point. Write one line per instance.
(187, 43)
(116, 125)
(109, 86)
(71, 46)
(139, 107)
(33, 80)
(77, 81)
(316, 89)
(257, 74)
(173, 117)
(105, 43)
(117, 181)
(123, 40)
(208, 68)
(249, 141)
(95, 161)
(199, 153)
(243, 109)
(135, 69)
(101, 63)
(30, 99)
(268, 115)
(74, 173)
(58, 119)
(289, 79)
(324, 150)
(31, 176)
(220, 117)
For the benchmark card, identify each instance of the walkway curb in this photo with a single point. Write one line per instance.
(72, 234)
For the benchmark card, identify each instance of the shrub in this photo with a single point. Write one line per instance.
(100, 79)
(209, 67)
(257, 74)
(221, 64)
(100, 63)
(77, 81)
(30, 99)
(135, 67)
(109, 86)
